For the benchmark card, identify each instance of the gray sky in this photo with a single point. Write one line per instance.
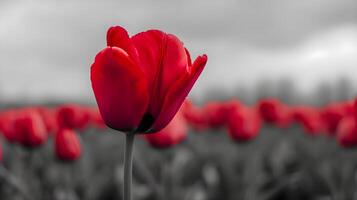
(47, 46)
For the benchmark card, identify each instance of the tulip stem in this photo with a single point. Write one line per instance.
(128, 164)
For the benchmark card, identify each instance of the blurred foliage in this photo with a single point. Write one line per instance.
(279, 164)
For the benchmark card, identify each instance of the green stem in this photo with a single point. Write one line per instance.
(128, 164)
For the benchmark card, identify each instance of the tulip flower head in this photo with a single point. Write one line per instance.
(67, 145)
(30, 130)
(217, 112)
(310, 119)
(7, 128)
(275, 112)
(49, 118)
(214, 111)
(72, 116)
(244, 123)
(332, 114)
(269, 109)
(347, 132)
(174, 133)
(354, 108)
(194, 116)
(141, 81)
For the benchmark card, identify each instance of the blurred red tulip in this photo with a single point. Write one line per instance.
(49, 117)
(309, 118)
(174, 133)
(213, 111)
(244, 123)
(217, 112)
(269, 109)
(347, 132)
(332, 115)
(7, 119)
(141, 81)
(275, 112)
(194, 116)
(354, 108)
(72, 116)
(30, 129)
(349, 107)
(67, 145)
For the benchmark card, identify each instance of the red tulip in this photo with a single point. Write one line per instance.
(269, 109)
(49, 118)
(67, 145)
(332, 115)
(72, 116)
(30, 129)
(244, 123)
(194, 116)
(347, 132)
(354, 108)
(141, 81)
(174, 133)
(217, 112)
(274, 111)
(7, 128)
(349, 107)
(285, 118)
(309, 118)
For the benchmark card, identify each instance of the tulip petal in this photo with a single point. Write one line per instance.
(164, 60)
(120, 89)
(149, 45)
(177, 94)
(67, 145)
(189, 62)
(174, 133)
(118, 37)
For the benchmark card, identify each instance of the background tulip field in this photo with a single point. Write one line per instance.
(273, 115)
(218, 150)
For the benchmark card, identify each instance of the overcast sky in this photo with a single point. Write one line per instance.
(47, 46)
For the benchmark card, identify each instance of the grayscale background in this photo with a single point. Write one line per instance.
(254, 47)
